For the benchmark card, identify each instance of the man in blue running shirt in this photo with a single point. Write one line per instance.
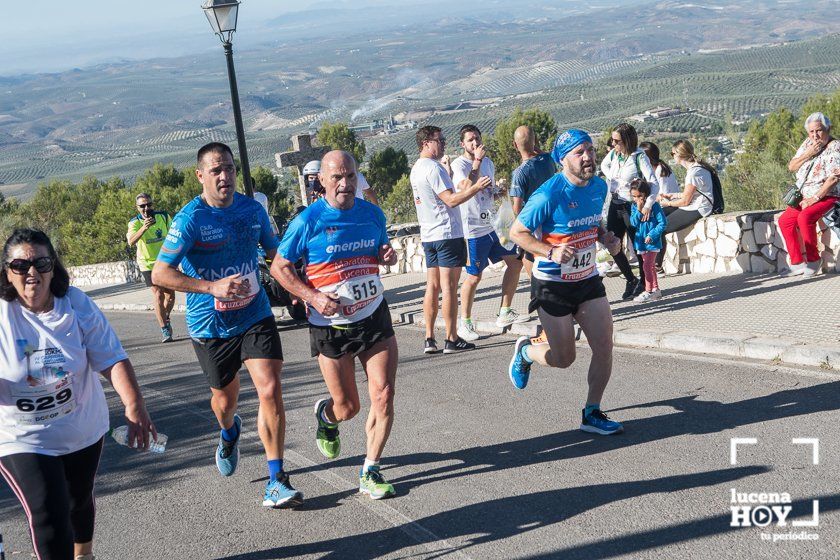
(566, 213)
(214, 239)
(343, 241)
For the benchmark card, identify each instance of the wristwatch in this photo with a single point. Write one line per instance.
(548, 255)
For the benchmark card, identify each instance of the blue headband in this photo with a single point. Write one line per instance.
(567, 142)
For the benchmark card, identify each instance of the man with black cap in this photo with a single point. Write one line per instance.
(567, 211)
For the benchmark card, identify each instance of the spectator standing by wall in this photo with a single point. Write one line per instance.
(147, 230)
(647, 239)
(536, 168)
(622, 164)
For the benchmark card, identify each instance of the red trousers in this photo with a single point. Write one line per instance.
(796, 223)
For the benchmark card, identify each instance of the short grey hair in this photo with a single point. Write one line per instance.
(142, 195)
(820, 118)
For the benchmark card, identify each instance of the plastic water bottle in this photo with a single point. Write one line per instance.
(120, 435)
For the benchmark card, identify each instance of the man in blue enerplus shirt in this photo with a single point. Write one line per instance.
(560, 225)
(214, 239)
(343, 241)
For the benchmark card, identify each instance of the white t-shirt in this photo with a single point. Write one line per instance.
(479, 212)
(361, 185)
(263, 200)
(700, 177)
(51, 398)
(619, 172)
(667, 185)
(438, 221)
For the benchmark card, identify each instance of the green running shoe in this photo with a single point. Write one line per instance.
(329, 444)
(374, 484)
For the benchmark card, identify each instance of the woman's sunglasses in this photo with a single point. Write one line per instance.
(22, 266)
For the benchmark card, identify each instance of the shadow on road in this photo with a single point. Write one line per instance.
(494, 520)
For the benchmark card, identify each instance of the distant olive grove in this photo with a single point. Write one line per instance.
(87, 220)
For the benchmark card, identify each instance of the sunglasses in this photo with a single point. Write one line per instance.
(22, 266)
(149, 205)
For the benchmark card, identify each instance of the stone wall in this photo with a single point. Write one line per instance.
(723, 243)
(120, 272)
(740, 242)
(734, 243)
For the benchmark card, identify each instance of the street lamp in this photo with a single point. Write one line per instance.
(222, 15)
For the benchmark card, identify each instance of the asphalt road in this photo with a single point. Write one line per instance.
(481, 470)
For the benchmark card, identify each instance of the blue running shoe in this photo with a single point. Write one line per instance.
(519, 370)
(280, 494)
(227, 454)
(597, 422)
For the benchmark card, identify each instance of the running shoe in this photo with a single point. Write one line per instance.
(279, 493)
(431, 346)
(227, 454)
(467, 331)
(597, 422)
(630, 287)
(459, 345)
(655, 294)
(372, 483)
(326, 437)
(519, 370)
(166, 333)
(511, 317)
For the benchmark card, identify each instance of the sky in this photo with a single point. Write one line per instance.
(53, 35)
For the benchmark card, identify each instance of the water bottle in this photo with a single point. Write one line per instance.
(120, 435)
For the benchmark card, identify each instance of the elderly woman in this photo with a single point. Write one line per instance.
(622, 164)
(53, 413)
(817, 168)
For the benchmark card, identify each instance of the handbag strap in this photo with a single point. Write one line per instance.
(811, 166)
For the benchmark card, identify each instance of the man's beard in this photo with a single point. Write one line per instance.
(584, 172)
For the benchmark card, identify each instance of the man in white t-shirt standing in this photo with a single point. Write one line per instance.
(442, 236)
(483, 245)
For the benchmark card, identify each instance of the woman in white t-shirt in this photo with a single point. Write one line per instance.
(696, 200)
(665, 177)
(53, 413)
(624, 163)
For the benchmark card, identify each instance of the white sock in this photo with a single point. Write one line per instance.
(368, 464)
(324, 417)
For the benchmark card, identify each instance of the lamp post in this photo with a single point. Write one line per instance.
(222, 15)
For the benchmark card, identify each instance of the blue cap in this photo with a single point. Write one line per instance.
(567, 142)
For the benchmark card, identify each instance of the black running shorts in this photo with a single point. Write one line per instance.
(221, 358)
(336, 341)
(564, 298)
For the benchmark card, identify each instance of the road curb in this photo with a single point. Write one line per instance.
(733, 344)
(737, 345)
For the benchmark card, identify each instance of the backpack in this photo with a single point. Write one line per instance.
(717, 191)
